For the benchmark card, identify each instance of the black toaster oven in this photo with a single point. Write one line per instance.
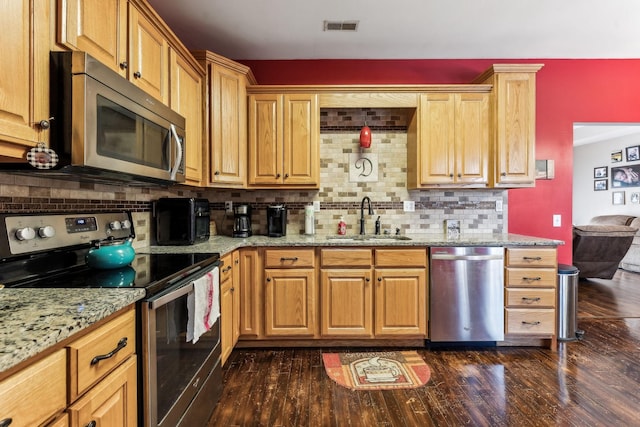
(181, 220)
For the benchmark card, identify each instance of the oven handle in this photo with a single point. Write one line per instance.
(183, 290)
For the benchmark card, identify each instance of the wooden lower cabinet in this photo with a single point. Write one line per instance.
(347, 303)
(531, 293)
(290, 303)
(401, 302)
(229, 304)
(251, 293)
(112, 402)
(66, 389)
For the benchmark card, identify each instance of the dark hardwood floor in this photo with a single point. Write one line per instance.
(591, 382)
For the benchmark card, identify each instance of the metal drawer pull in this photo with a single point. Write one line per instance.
(532, 258)
(92, 423)
(529, 299)
(295, 258)
(224, 270)
(6, 422)
(530, 323)
(121, 344)
(532, 278)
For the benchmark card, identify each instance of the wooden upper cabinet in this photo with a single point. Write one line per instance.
(186, 80)
(98, 28)
(284, 135)
(148, 55)
(451, 147)
(513, 110)
(24, 75)
(226, 94)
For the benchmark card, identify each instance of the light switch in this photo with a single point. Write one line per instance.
(557, 220)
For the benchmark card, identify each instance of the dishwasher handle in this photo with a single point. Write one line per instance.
(452, 257)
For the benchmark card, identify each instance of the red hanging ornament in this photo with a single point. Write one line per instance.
(365, 136)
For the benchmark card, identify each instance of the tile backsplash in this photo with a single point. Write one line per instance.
(347, 174)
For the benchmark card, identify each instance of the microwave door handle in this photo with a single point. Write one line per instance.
(176, 165)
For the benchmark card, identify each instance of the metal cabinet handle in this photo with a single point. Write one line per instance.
(137, 74)
(277, 175)
(6, 422)
(45, 124)
(224, 270)
(530, 323)
(121, 344)
(92, 423)
(532, 279)
(268, 279)
(216, 173)
(286, 175)
(367, 280)
(532, 258)
(236, 261)
(450, 175)
(295, 258)
(530, 299)
(503, 174)
(379, 279)
(124, 65)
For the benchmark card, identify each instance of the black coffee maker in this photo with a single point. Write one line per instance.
(277, 221)
(242, 221)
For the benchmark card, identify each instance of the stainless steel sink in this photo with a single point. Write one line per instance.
(368, 237)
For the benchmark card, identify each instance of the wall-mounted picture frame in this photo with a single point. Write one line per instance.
(600, 172)
(635, 198)
(600, 185)
(625, 176)
(618, 197)
(616, 156)
(633, 153)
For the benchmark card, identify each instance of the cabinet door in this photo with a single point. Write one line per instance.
(437, 130)
(347, 303)
(235, 276)
(148, 51)
(251, 295)
(265, 139)
(515, 129)
(98, 28)
(186, 100)
(24, 75)
(226, 318)
(290, 302)
(301, 148)
(401, 302)
(228, 106)
(110, 403)
(472, 138)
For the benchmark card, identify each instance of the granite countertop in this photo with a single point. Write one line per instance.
(226, 244)
(33, 320)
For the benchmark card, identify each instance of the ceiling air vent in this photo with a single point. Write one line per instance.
(341, 25)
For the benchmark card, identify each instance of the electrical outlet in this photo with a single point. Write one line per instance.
(228, 207)
(557, 220)
(316, 205)
(498, 205)
(409, 206)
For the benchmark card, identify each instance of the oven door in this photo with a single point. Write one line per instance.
(174, 371)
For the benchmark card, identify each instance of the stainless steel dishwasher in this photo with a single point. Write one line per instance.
(466, 300)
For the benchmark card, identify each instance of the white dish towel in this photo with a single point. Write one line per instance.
(203, 305)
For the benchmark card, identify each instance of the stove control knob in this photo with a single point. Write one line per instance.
(26, 233)
(126, 224)
(46, 231)
(115, 225)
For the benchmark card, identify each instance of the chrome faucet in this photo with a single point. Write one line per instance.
(368, 200)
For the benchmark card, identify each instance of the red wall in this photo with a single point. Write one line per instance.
(568, 91)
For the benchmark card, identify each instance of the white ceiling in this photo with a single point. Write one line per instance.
(588, 133)
(408, 29)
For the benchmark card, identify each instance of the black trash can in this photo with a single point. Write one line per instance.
(568, 303)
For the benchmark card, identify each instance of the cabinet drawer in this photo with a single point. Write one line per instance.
(346, 258)
(102, 341)
(226, 268)
(531, 257)
(289, 258)
(37, 392)
(401, 258)
(530, 297)
(526, 321)
(531, 277)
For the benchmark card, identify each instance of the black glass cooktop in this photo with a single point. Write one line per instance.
(153, 272)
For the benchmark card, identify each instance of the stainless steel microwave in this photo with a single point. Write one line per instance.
(106, 128)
